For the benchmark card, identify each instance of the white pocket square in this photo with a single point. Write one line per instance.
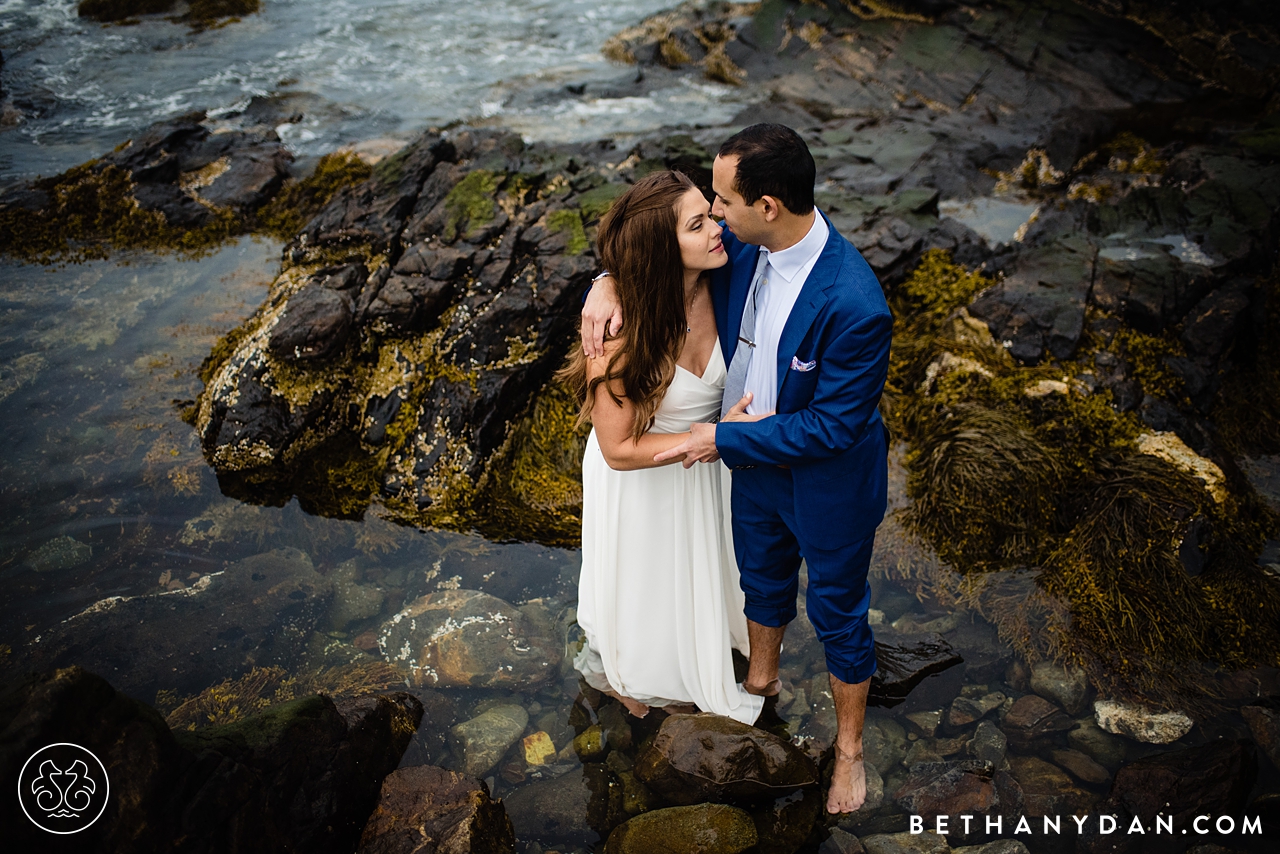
(797, 365)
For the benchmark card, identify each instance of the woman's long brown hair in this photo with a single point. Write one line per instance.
(637, 244)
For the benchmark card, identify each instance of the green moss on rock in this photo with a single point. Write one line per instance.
(470, 204)
(569, 220)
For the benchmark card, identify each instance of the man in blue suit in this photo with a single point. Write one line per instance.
(805, 328)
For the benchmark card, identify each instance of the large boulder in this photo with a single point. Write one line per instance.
(580, 807)
(429, 810)
(709, 757)
(465, 638)
(303, 775)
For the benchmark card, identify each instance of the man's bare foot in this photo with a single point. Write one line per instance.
(635, 707)
(769, 689)
(848, 783)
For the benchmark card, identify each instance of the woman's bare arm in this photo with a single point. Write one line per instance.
(613, 426)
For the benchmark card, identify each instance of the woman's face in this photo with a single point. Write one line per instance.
(698, 233)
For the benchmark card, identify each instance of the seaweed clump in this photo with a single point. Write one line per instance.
(1138, 572)
(90, 212)
(299, 201)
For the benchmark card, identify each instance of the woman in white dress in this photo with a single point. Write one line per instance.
(658, 598)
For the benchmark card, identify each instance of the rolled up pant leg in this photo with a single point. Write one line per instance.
(837, 601)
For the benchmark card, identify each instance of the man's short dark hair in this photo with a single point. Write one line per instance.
(772, 161)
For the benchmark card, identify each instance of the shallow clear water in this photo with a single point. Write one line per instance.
(353, 69)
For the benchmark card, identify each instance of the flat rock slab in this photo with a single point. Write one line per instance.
(904, 660)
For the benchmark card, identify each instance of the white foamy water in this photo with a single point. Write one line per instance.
(356, 68)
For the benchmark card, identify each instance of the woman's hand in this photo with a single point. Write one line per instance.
(738, 412)
(600, 313)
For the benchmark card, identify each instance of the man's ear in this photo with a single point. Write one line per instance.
(771, 208)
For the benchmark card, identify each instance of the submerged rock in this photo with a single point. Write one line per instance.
(59, 553)
(1264, 723)
(701, 829)
(708, 757)
(258, 612)
(1031, 719)
(1141, 724)
(905, 843)
(580, 807)
(484, 739)
(428, 810)
(465, 638)
(1046, 789)
(1066, 686)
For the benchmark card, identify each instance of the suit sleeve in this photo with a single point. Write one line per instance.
(851, 377)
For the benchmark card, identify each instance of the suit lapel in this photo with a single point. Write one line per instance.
(810, 301)
(744, 267)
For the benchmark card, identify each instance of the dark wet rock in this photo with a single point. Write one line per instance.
(903, 661)
(465, 638)
(1046, 789)
(483, 740)
(948, 788)
(989, 743)
(1068, 687)
(841, 842)
(316, 324)
(257, 612)
(1081, 767)
(708, 757)
(1213, 779)
(701, 829)
(1041, 302)
(580, 807)
(303, 775)
(1264, 723)
(1033, 719)
(428, 810)
(1212, 325)
(785, 825)
(1149, 293)
(905, 843)
(884, 742)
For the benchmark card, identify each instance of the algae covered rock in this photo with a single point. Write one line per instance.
(59, 553)
(701, 829)
(465, 638)
(708, 757)
(428, 810)
(484, 739)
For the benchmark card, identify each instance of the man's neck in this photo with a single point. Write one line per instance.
(789, 230)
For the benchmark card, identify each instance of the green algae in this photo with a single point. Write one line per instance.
(533, 487)
(1024, 467)
(92, 212)
(298, 201)
(595, 203)
(568, 220)
(470, 205)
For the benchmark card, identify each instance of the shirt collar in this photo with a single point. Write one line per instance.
(790, 261)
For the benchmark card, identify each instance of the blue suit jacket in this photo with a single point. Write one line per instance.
(827, 427)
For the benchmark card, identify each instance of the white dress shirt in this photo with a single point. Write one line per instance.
(784, 275)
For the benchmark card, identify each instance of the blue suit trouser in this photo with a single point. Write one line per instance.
(769, 553)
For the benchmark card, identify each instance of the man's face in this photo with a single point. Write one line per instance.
(747, 222)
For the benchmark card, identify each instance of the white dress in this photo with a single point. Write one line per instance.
(658, 598)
